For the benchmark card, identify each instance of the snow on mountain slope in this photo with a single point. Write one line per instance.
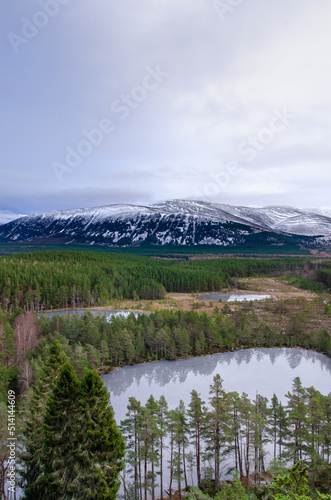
(326, 211)
(6, 216)
(170, 222)
(278, 218)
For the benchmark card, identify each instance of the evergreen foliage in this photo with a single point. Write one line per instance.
(233, 431)
(98, 343)
(79, 453)
(45, 280)
(33, 434)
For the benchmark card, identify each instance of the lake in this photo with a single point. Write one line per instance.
(266, 371)
(96, 312)
(232, 297)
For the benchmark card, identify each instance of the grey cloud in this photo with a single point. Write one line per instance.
(225, 79)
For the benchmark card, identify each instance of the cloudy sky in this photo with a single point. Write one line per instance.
(112, 101)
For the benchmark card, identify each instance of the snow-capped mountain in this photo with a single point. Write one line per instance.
(176, 222)
(321, 211)
(6, 216)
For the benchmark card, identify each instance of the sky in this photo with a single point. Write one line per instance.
(106, 102)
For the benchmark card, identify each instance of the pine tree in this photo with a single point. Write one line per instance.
(162, 426)
(234, 432)
(218, 420)
(297, 415)
(273, 422)
(197, 419)
(259, 435)
(283, 429)
(246, 430)
(152, 407)
(131, 428)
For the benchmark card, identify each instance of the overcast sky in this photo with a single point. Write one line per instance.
(113, 101)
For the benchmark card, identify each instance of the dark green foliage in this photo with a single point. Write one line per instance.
(33, 434)
(234, 431)
(61, 426)
(294, 482)
(165, 334)
(149, 289)
(80, 450)
(101, 443)
(319, 281)
(43, 280)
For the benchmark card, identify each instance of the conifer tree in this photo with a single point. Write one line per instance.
(131, 428)
(259, 434)
(234, 432)
(81, 452)
(162, 426)
(297, 415)
(218, 420)
(33, 434)
(197, 419)
(246, 412)
(61, 425)
(152, 406)
(101, 445)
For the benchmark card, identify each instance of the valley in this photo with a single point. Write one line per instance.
(175, 334)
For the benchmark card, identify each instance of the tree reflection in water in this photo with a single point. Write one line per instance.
(266, 370)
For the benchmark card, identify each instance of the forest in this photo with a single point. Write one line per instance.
(50, 280)
(230, 433)
(41, 357)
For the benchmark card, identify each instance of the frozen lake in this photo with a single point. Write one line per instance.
(95, 312)
(232, 297)
(266, 371)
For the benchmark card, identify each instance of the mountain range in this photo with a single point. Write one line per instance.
(176, 222)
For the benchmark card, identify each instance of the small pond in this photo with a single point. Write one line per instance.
(96, 312)
(232, 297)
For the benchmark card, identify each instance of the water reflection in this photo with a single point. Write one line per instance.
(265, 370)
(96, 313)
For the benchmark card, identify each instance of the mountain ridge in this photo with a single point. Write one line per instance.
(178, 222)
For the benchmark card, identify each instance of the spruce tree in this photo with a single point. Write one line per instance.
(80, 452)
(101, 445)
(33, 433)
(61, 425)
